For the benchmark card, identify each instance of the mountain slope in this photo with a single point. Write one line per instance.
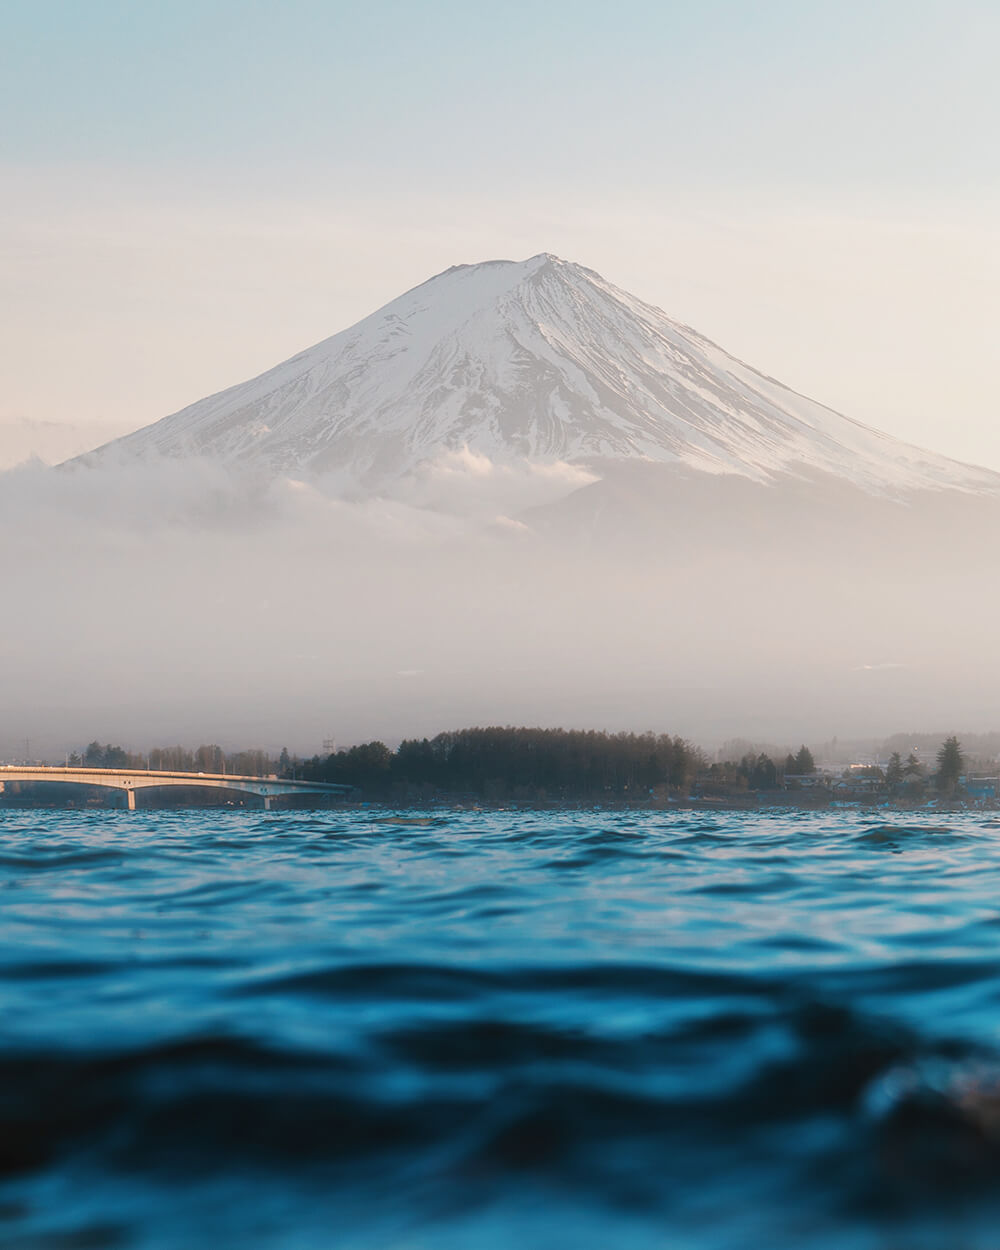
(540, 359)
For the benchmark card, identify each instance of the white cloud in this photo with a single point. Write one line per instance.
(172, 601)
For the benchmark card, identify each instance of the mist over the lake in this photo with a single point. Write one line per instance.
(180, 600)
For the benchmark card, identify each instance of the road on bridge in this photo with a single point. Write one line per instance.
(130, 780)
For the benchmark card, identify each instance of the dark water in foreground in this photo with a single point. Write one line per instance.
(593, 1029)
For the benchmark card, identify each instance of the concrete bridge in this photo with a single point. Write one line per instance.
(130, 780)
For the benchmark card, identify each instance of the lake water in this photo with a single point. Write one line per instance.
(492, 1029)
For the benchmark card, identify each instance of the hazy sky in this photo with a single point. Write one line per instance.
(190, 192)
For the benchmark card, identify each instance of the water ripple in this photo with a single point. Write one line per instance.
(467, 1029)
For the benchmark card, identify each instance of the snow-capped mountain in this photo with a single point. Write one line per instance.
(540, 360)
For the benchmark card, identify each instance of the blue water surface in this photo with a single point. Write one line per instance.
(367, 1029)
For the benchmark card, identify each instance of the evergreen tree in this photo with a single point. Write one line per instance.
(804, 762)
(764, 774)
(950, 762)
(894, 772)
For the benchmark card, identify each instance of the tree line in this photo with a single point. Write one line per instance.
(208, 758)
(909, 777)
(492, 762)
(505, 762)
(900, 779)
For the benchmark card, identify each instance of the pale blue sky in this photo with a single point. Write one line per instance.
(192, 191)
(882, 93)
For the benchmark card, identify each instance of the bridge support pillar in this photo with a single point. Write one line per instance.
(267, 802)
(131, 800)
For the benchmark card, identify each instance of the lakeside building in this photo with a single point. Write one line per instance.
(981, 787)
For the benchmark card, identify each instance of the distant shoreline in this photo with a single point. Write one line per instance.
(24, 796)
(445, 803)
(765, 803)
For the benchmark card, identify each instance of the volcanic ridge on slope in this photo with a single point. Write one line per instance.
(541, 360)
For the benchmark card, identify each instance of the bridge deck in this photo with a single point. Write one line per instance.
(130, 780)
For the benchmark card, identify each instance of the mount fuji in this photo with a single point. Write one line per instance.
(537, 361)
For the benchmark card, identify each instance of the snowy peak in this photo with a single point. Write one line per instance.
(541, 360)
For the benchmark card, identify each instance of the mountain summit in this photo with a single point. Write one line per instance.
(541, 360)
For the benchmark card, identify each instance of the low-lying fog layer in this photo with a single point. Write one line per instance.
(174, 601)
